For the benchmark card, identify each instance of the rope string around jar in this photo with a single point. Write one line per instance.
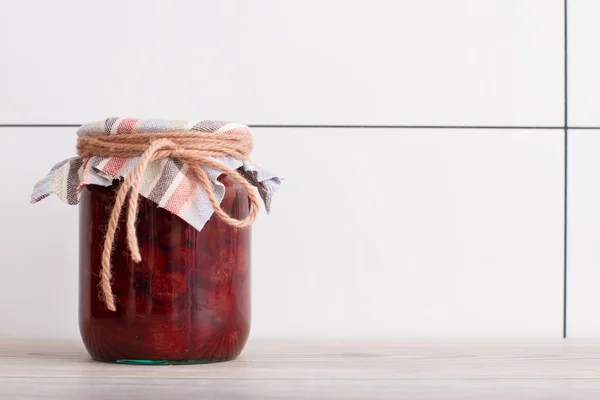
(196, 149)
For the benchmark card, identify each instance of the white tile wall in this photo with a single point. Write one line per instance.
(411, 232)
(584, 62)
(583, 188)
(474, 62)
(584, 233)
(376, 232)
(38, 250)
(460, 232)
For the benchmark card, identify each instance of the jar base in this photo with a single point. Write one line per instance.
(166, 362)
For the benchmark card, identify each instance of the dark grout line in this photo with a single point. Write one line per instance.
(582, 127)
(408, 126)
(565, 173)
(354, 126)
(339, 126)
(39, 126)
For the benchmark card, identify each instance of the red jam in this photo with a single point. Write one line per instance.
(187, 301)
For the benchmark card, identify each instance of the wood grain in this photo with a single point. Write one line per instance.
(553, 369)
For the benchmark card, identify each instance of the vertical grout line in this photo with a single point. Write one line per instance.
(566, 158)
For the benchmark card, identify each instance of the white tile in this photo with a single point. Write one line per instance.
(411, 232)
(39, 244)
(475, 62)
(375, 232)
(584, 62)
(583, 234)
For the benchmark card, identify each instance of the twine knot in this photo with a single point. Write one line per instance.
(196, 149)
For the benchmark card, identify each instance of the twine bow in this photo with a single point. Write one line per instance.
(196, 149)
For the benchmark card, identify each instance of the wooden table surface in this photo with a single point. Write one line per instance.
(316, 369)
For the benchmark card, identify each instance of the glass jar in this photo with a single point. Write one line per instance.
(187, 301)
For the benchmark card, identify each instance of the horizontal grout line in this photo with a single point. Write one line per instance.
(39, 126)
(344, 126)
(326, 126)
(582, 127)
(407, 126)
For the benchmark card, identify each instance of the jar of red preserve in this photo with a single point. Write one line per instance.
(165, 214)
